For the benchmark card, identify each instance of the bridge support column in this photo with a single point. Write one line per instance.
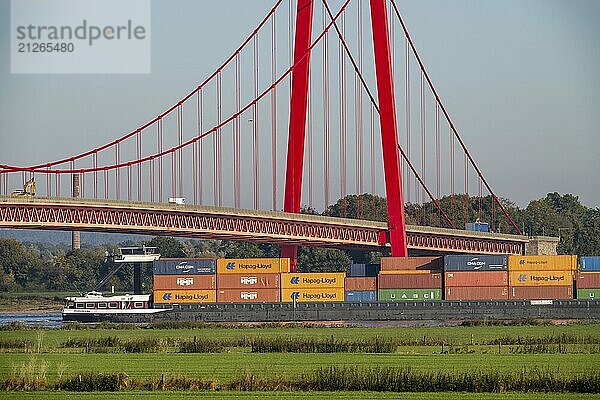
(75, 236)
(137, 278)
(298, 108)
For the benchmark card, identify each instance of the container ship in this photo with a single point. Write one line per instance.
(454, 287)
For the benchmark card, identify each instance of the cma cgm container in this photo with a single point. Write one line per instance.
(184, 266)
(313, 280)
(541, 292)
(482, 279)
(476, 262)
(184, 282)
(541, 278)
(360, 296)
(409, 294)
(412, 281)
(411, 263)
(253, 265)
(589, 264)
(360, 283)
(359, 270)
(248, 295)
(588, 280)
(184, 296)
(588, 294)
(308, 295)
(245, 281)
(476, 293)
(542, 263)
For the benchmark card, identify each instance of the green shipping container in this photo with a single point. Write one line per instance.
(588, 294)
(409, 294)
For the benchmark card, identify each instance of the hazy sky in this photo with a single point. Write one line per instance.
(519, 78)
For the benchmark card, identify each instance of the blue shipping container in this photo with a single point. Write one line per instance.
(185, 266)
(477, 226)
(476, 262)
(360, 296)
(362, 270)
(588, 264)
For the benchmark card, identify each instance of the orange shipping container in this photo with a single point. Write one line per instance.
(541, 293)
(253, 265)
(588, 280)
(360, 283)
(476, 293)
(184, 296)
(541, 278)
(410, 281)
(302, 295)
(479, 278)
(184, 282)
(411, 272)
(313, 279)
(245, 281)
(248, 296)
(411, 263)
(542, 263)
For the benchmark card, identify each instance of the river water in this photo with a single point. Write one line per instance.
(49, 320)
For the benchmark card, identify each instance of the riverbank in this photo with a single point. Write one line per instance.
(32, 303)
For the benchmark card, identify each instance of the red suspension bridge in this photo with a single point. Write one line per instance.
(303, 82)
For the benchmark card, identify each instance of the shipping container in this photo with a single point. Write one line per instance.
(245, 281)
(312, 295)
(253, 265)
(313, 279)
(360, 296)
(589, 263)
(542, 263)
(184, 296)
(477, 278)
(588, 294)
(588, 280)
(360, 284)
(359, 270)
(187, 266)
(248, 296)
(541, 278)
(411, 263)
(476, 262)
(410, 281)
(540, 293)
(409, 294)
(184, 282)
(477, 226)
(411, 272)
(476, 293)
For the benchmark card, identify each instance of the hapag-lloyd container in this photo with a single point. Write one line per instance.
(307, 295)
(360, 283)
(542, 263)
(589, 263)
(476, 293)
(476, 262)
(409, 294)
(588, 294)
(184, 282)
(410, 281)
(184, 266)
(478, 278)
(540, 292)
(360, 296)
(248, 296)
(245, 281)
(313, 280)
(184, 296)
(588, 280)
(411, 263)
(253, 265)
(541, 278)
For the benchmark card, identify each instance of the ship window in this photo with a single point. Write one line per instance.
(79, 305)
(101, 305)
(70, 304)
(113, 304)
(138, 304)
(89, 305)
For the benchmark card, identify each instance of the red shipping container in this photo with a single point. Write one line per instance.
(479, 278)
(410, 281)
(476, 293)
(248, 281)
(249, 296)
(540, 292)
(588, 280)
(184, 282)
(411, 263)
(360, 283)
